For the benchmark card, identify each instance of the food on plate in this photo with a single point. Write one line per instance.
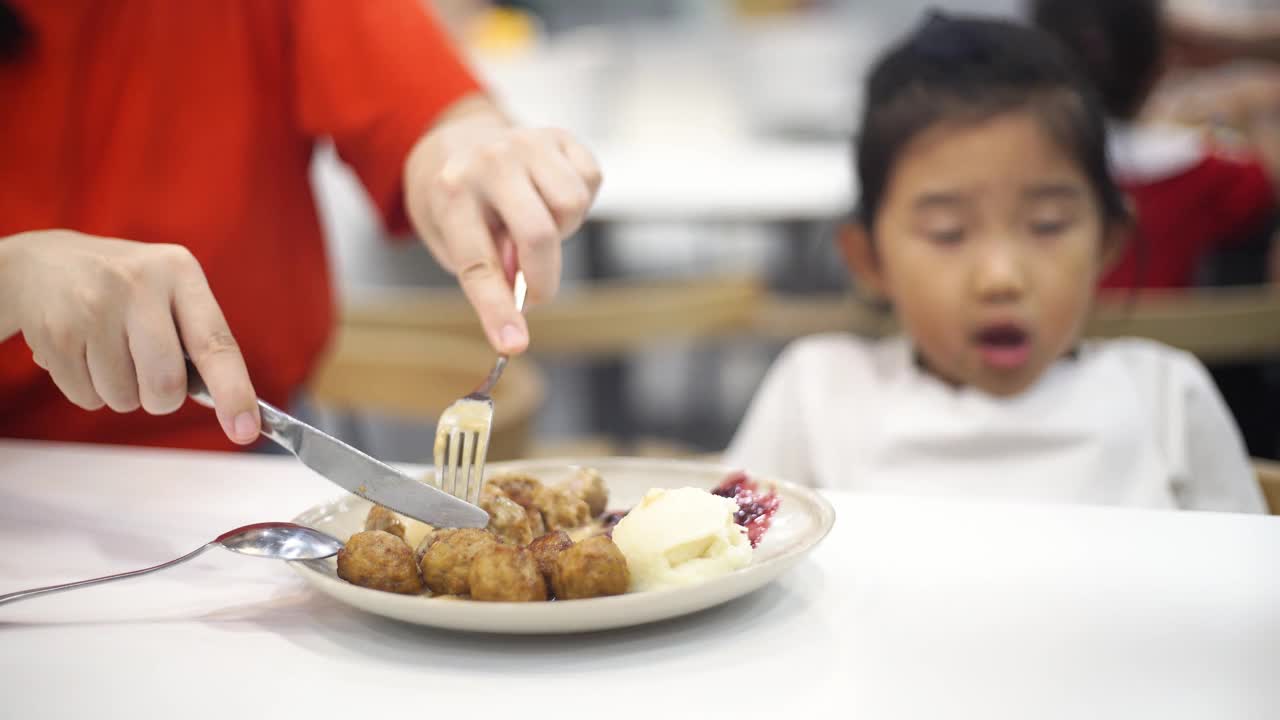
(381, 518)
(588, 485)
(561, 509)
(680, 537)
(518, 487)
(504, 573)
(546, 548)
(610, 520)
(429, 539)
(379, 560)
(446, 565)
(559, 542)
(507, 520)
(537, 525)
(415, 531)
(755, 508)
(591, 568)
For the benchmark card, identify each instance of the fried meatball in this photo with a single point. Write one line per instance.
(561, 510)
(446, 565)
(587, 484)
(507, 520)
(489, 491)
(504, 573)
(547, 547)
(429, 539)
(380, 518)
(520, 488)
(537, 525)
(379, 560)
(594, 567)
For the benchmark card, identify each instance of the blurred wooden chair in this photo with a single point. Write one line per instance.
(1269, 478)
(413, 376)
(602, 320)
(786, 317)
(1229, 324)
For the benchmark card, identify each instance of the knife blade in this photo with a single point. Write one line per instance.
(353, 470)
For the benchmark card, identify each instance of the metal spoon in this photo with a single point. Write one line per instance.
(275, 540)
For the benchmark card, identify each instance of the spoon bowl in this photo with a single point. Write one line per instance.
(280, 541)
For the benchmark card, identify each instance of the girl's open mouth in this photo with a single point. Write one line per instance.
(1004, 347)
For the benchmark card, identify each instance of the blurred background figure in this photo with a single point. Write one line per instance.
(1222, 77)
(1193, 192)
(1195, 140)
(723, 128)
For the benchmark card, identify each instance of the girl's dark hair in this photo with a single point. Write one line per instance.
(966, 70)
(15, 35)
(1118, 44)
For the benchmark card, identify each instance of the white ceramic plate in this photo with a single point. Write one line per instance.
(801, 522)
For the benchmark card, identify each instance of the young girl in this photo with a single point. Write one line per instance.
(987, 214)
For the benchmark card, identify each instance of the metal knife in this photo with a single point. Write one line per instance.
(353, 470)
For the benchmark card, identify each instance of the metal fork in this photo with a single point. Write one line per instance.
(462, 433)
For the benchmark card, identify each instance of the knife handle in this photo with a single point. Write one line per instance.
(281, 427)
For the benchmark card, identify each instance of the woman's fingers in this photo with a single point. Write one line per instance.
(475, 185)
(70, 372)
(563, 188)
(110, 366)
(157, 356)
(460, 217)
(529, 224)
(213, 350)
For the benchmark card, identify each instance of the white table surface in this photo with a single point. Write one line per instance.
(911, 608)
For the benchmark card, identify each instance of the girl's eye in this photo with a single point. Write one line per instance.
(946, 236)
(1049, 228)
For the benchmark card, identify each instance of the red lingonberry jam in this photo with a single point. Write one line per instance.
(755, 509)
(613, 517)
(610, 520)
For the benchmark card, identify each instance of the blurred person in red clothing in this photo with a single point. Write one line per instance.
(1194, 193)
(1207, 37)
(154, 198)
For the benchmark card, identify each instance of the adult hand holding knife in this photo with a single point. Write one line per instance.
(109, 318)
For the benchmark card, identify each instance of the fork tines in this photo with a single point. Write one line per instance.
(460, 467)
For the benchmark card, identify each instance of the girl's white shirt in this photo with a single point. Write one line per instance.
(1122, 422)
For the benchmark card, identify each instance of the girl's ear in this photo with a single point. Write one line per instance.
(861, 258)
(1116, 237)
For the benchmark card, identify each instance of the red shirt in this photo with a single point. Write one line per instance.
(1183, 217)
(193, 122)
